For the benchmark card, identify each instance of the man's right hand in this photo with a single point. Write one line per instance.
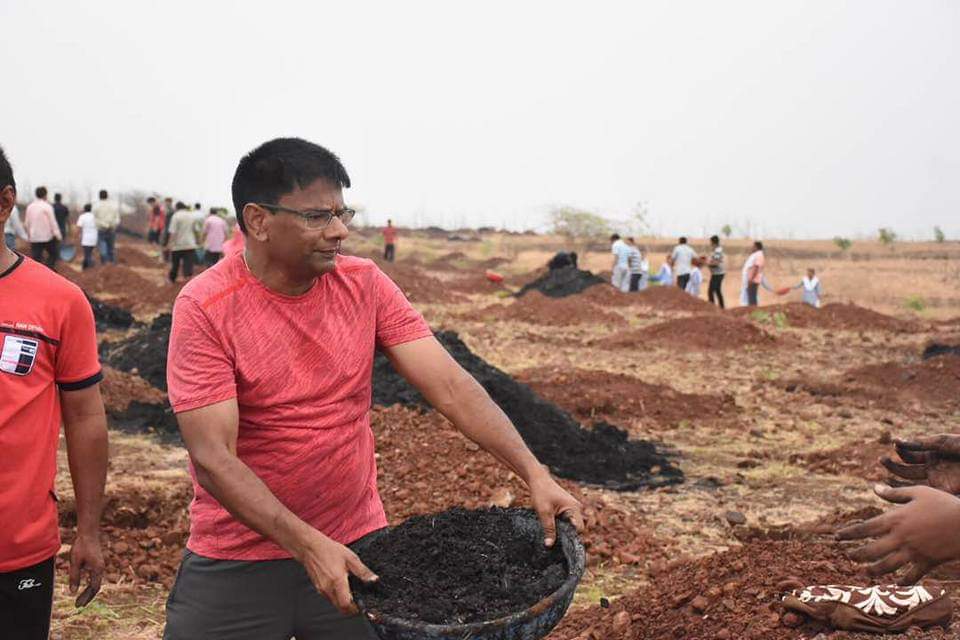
(329, 565)
(931, 460)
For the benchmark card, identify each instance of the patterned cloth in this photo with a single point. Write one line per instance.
(877, 608)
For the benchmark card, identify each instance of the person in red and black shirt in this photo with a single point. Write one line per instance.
(49, 372)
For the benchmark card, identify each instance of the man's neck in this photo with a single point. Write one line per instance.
(7, 258)
(275, 279)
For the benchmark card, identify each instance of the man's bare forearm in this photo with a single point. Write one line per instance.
(87, 456)
(249, 500)
(468, 406)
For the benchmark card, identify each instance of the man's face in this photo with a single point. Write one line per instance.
(299, 249)
(810, 273)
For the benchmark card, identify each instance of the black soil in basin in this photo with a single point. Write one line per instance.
(457, 567)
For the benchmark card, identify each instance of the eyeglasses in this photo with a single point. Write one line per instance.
(314, 218)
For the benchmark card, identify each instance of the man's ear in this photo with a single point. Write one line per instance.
(256, 220)
(8, 198)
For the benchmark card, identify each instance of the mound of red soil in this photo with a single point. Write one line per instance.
(132, 255)
(418, 286)
(426, 466)
(858, 459)
(457, 567)
(713, 331)
(928, 384)
(933, 381)
(119, 389)
(536, 308)
(730, 595)
(607, 296)
(835, 316)
(598, 395)
(144, 530)
(672, 299)
(123, 287)
(474, 283)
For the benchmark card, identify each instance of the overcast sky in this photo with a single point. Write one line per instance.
(803, 119)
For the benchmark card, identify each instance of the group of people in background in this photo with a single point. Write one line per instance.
(45, 227)
(186, 235)
(682, 267)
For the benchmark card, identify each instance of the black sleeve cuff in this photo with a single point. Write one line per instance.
(81, 384)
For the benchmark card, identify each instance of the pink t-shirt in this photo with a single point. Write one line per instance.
(215, 232)
(300, 369)
(40, 222)
(235, 244)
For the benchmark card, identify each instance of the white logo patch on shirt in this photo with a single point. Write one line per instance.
(18, 355)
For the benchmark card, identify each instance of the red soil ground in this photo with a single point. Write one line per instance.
(597, 395)
(836, 316)
(712, 331)
(730, 595)
(536, 308)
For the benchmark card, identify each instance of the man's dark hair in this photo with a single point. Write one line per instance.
(103, 194)
(180, 206)
(87, 207)
(151, 200)
(389, 221)
(280, 166)
(214, 211)
(715, 239)
(57, 197)
(196, 205)
(168, 199)
(758, 246)
(6, 172)
(41, 192)
(614, 237)
(630, 240)
(683, 240)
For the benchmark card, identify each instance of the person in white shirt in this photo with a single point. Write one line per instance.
(638, 265)
(695, 281)
(664, 277)
(621, 268)
(13, 228)
(717, 272)
(87, 230)
(182, 242)
(682, 258)
(752, 276)
(812, 292)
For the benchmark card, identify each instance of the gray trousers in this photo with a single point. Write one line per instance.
(263, 600)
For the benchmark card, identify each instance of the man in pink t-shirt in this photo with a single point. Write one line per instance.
(214, 235)
(270, 375)
(42, 229)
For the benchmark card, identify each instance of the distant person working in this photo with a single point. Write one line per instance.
(87, 230)
(752, 276)
(638, 265)
(42, 229)
(717, 272)
(107, 214)
(621, 263)
(682, 259)
(214, 235)
(389, 242)
(811, 289)
(62, 214)
(181, 242)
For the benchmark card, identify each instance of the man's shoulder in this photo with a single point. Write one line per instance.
(215, 283)
(44, 283)
(353, 266)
